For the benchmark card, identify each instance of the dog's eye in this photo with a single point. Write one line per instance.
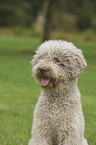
(58, 61)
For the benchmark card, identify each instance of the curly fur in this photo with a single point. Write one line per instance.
(58, 117)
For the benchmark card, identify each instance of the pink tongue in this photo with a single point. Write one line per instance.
(44, 81)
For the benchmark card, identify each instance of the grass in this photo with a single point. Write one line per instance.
(19, 92)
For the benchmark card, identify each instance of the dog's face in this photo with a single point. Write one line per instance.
(57, 62)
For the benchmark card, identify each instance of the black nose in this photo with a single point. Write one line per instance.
(43, 70)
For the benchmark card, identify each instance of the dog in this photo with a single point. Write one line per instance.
(58, 116)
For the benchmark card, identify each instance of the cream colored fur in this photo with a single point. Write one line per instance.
(58, 117)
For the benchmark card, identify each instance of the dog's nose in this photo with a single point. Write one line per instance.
(43, 70)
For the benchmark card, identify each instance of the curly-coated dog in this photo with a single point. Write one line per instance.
(58, 117)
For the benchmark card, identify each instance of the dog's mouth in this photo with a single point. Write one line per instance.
(44, 81)
(47, 82)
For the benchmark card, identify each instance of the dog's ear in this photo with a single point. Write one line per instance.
(74, 63)
(77, 64)
(34, 61)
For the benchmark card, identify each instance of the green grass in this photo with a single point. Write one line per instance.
(19, 92)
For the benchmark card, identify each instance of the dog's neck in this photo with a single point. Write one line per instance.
(63, 90)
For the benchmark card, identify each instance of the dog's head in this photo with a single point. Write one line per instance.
(56, 62)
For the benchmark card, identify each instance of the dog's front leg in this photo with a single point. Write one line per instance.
(68, 138)
(41, 133)
(38, 141)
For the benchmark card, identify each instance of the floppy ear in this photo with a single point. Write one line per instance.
(76, 65)
(35, 60)
(73, 62)
(79, 65)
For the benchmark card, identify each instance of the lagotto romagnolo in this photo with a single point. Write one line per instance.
(58, 116)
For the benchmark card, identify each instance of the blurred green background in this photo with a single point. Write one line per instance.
(24, 24)
(64, 19)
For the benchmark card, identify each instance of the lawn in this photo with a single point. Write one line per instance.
(19, 92)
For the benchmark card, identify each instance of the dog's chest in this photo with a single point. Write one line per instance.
(59, 111)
